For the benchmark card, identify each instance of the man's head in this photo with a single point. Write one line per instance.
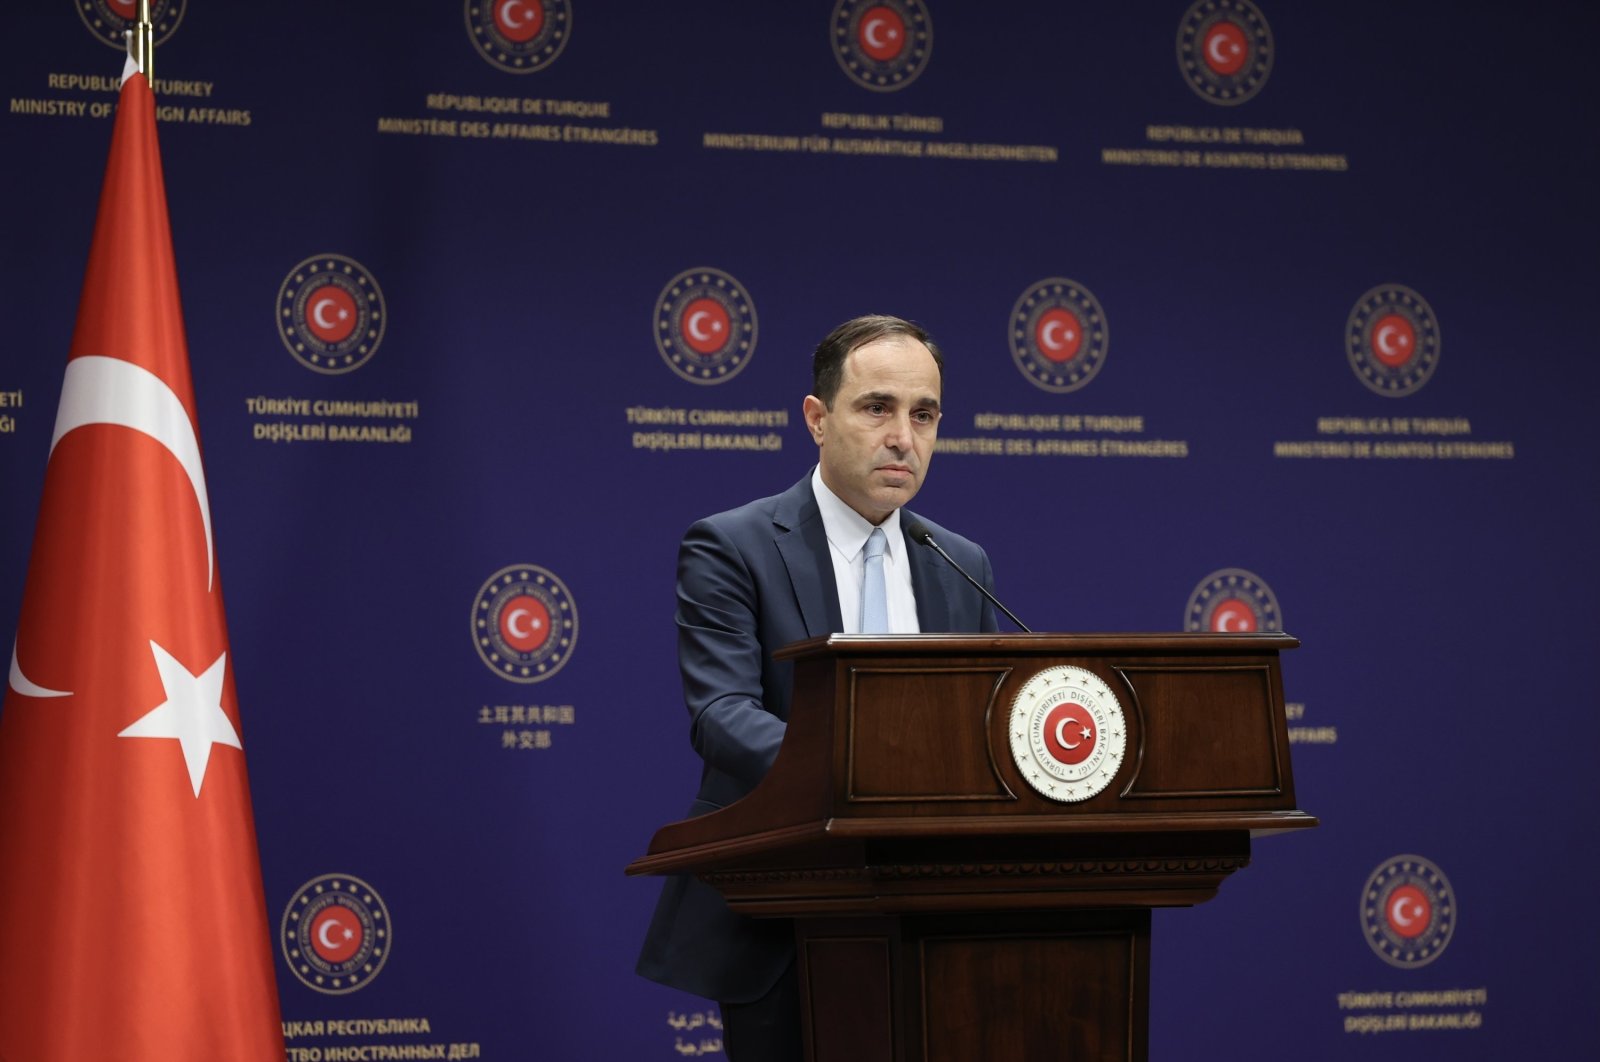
(874, 411)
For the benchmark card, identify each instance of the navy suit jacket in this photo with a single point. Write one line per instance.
(750, 581)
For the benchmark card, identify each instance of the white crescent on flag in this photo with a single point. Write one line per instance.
(101, 390)
(20, 683)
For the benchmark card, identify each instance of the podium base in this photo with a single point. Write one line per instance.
(1003, 987)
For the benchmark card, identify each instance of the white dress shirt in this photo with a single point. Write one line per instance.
(847, 532)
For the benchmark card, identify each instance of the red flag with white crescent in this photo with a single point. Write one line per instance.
(133, 923)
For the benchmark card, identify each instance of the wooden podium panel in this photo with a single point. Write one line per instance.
(944, 908)
(878, 990)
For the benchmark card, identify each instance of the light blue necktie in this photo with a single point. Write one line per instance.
(874, 595)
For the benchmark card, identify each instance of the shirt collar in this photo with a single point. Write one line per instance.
(847, 529)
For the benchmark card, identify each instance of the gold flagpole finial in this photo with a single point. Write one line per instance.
(141, 43)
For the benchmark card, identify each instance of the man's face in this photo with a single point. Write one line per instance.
(876, 441)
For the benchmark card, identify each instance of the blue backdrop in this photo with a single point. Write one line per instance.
(1325, 367)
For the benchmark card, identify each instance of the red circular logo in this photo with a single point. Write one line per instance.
(330, 313)
(1232, 601)
(1393, 340)
(524, 623)
(1059, 334)
(882, 33)
(883, 45)
(336, 933)
(1233, 615)
(1069, 733)
(519, 20)
(1408, 911)
(1226, 48)
(704, 326)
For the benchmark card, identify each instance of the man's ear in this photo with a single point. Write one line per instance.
(814, 411)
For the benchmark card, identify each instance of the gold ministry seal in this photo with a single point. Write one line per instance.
(524, 623)
(335, 934)
(1068, 733)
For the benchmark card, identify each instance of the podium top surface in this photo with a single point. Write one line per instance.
(1043, 642)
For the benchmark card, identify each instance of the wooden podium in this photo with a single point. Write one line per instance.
(946, 909)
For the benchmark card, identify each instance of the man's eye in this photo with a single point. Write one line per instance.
(875, 409)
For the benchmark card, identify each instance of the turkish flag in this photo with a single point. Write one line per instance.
(133, 923)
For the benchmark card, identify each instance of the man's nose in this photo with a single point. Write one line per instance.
(897, 436)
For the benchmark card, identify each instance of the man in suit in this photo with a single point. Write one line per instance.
(780, 569)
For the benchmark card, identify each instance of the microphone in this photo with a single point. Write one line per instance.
(919, 533)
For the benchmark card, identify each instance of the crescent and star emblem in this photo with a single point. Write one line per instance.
(316, 313)
(517, 631)
(1397, 912)
(1215, 45)
(1049, 335)
(1068, 733)
(333, 945)
(696, 332)
(506, 17)
(1229, 616)
(1387, 344)
(1061, 738)
(102, 390)
(869, 33)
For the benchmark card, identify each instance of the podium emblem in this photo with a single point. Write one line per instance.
(1068, 733)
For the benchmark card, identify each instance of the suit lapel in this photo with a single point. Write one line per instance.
(929, 582)
(803, 545)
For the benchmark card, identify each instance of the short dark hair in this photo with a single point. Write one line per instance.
(827, 364)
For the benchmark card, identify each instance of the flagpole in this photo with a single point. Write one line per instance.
(141, 43)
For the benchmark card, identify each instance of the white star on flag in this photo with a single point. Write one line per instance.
(192, 713)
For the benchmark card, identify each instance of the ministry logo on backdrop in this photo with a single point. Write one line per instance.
(1408, 911)
(882, 44)
(107, 19)
(1058, 335)
(1225, 50)
(519, 36)
(336, 934)
(1233, 601)
(1392, 340)
(705, 326)
(331, 314)
(524, 623)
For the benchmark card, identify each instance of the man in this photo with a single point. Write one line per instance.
(785, 568)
